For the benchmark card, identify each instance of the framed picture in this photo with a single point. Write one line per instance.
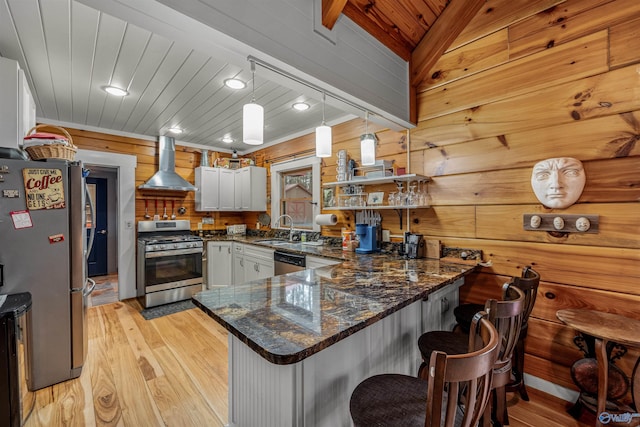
(328, 198)
(375, 198)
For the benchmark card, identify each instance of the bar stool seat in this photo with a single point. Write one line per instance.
(454, 391)
(506, 315)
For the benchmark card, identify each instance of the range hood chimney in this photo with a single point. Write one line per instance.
(166, 178)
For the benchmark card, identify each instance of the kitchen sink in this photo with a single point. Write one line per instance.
(272, 242)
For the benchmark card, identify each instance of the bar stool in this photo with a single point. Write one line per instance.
(506, 315)
(454, 391)
(527, 283)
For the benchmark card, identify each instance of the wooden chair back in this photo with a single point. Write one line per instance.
(462, 379)
(527, 283)
(507, 316)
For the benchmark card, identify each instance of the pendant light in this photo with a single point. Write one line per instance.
(253, 116)
(367, 144)
(323, 136)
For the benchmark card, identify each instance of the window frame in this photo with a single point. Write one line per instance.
(278, 169)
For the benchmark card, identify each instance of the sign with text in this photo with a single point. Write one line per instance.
(44, 188)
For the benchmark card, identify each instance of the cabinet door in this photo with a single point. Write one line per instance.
(207, 182)
(219, 264)
(437, 310)
(243, 188)
(227, 189)
(238, 269)
(252, 182)
(256, 269)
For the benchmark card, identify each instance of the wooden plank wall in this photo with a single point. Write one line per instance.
(558, 81)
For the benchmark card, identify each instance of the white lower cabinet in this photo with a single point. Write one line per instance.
(219, 264)
(317, 262)
(438, 308)
(258, 263)
(238, 263)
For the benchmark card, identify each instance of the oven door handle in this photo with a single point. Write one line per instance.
(172, 252)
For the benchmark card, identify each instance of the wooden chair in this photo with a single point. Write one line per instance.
(506, 316)
(527, 283)
(454, 391)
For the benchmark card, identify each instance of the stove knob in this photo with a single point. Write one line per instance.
(189, 245)
(162, 247)
(175, 246)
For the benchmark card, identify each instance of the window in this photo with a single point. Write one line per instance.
(295, 190)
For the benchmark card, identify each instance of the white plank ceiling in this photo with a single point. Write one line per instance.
(70, 51)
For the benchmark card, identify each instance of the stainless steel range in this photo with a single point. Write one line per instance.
(169, 266)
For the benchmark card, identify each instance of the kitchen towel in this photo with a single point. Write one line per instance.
(326, 219)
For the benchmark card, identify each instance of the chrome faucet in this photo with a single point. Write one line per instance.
(277, 225)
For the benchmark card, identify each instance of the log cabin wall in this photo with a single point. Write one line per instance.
(517, 88)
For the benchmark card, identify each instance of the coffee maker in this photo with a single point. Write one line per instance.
(415, 246)
(368, 236)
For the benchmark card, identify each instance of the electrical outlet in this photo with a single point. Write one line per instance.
(199, 226)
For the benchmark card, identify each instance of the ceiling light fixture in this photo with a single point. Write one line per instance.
(253, 116)
(227, 140)
(235, 84)
(116, 91)
(323, 135)
(367, 144)
(300, 106)
(175, 130)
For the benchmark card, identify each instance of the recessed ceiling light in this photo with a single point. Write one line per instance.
(227, 139)
(175, 130)
(300, 106)
(235, 84)
(116, 91)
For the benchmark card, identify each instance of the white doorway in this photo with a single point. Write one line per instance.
(123, 166)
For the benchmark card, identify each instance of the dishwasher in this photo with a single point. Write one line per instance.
(284, 262)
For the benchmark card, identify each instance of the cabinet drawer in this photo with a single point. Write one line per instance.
(258, 252)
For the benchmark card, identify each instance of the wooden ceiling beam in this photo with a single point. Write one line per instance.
(331, 10)
(443, 32)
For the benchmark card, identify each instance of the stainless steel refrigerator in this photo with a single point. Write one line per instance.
(43, 250)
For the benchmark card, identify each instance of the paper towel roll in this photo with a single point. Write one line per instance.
(326, 219)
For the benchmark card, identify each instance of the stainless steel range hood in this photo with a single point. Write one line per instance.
(166, 178)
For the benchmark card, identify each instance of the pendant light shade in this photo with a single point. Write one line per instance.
(367, 144)
(323, 136)
(253, 124)
(253, 117)
(323, 141)
(368, 149)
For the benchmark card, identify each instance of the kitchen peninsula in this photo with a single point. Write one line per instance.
(300, 343)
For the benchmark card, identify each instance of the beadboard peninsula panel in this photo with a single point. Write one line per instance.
(586, 56)
(605, 94)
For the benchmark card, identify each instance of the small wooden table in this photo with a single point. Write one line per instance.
(604, 327)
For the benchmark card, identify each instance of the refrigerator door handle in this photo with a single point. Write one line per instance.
(92, 234)
(88, 290)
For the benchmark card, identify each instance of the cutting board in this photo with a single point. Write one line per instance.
(433, 249)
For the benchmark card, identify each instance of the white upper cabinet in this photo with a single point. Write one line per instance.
(251, 189)
(227, 185)
(221, 189)
(208, 184)
(17, 110)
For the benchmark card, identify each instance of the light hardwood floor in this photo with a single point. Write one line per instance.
(173, 371)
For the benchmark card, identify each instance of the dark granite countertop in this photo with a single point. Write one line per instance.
(288, 318)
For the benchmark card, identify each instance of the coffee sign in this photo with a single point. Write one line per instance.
(44, 188)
